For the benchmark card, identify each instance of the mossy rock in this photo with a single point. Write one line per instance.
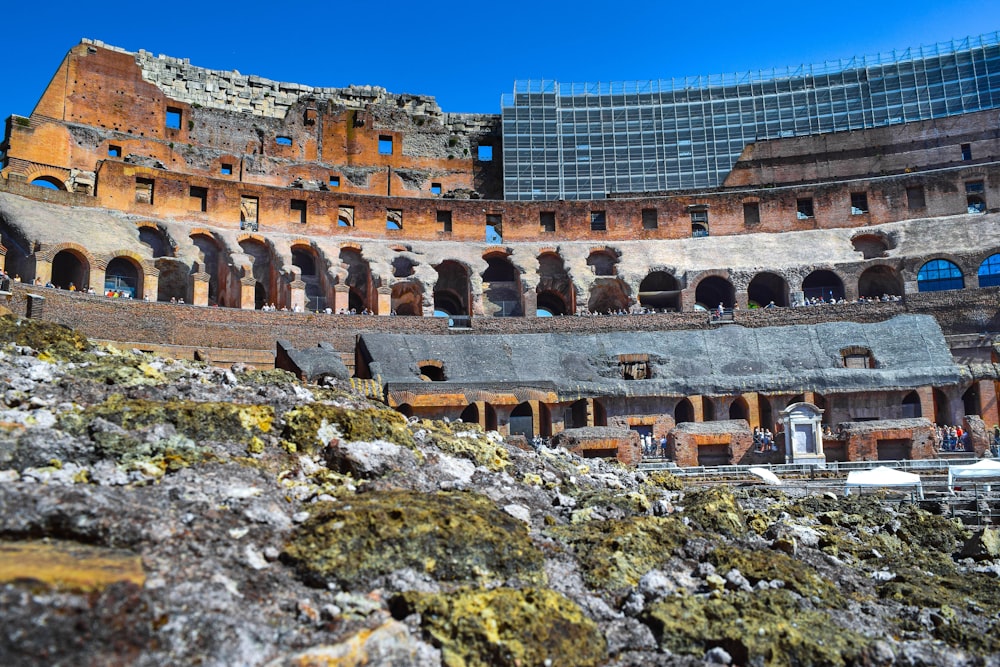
(767, 565)
(715, 510)
(451, 536)
(199, 421)
(268, 377)
(505, 627)
(311, 427)
(467, 441)
(615, 554)
(761, 628)
(54, 340)
(663, 479)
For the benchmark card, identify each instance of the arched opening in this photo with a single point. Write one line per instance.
(707, 409)
(879, 281)
(490, 418)
(764, 410)
(470, 415)
(739, 409)
(405, 409)
(989, 271)
(209, 251)
(70, 269)
(576, 416)
(49, 182)
(262, 270)
(823, 285)
(660, 291)
(602, 263)
(451, 291)
(970, 401)
(306, 259)
(608, 295)
(942, 408)
(767, 288)
(555, 288)
(684, 411)
(501, 288)
(157, 241)
(402, 267)
(870, 245)
(407, 299)
(938, 275)
(359, 279)
(549, 304)
(432, 371)
(911, 406)
(522, 421)
(712, 291)
(124, 277)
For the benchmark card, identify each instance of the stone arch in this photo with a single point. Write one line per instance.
(872, 244)
(124, 274)
(876, 281)
(608, 295)
(739, 409)
(713, 290)
(767, 288)
(357, 275)
(521, 421)
(823, 284)
(603, 261)
(483, 414)
(71, 267)
(311, 273)
(660, 290)
(501, 286)
(938, 275)
(911, 406)
(46, 179)
(555, 291)
(209, 252)
(407, 298)
(156, 239)
(452, 288)
(263, 268)
(684, 411)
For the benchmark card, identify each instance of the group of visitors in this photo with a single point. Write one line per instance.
(650, 446)
(763, 440)
(834, 301)
(951, 438)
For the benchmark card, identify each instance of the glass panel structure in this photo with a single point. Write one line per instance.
(939, 274)
(989, 271)
(589, 140)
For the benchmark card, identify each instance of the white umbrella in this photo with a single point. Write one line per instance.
(765, 475)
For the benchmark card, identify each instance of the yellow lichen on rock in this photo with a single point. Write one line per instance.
(68, 566)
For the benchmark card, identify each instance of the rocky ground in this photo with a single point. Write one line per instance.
(155, 512)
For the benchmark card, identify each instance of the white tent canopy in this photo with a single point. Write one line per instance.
(765, 475)
(882, 477)
(980, 470)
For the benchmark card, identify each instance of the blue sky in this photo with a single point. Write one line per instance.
(468, 54)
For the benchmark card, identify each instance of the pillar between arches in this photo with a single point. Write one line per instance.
(988, 402)
(198, 294)
(95, 280)
(926, 396)
(43, 270)
(248, 296)
(150, 285)
(385, 305)
(297, 295)
(341, 298)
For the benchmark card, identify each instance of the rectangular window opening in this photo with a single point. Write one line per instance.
(699, 222)
(198, 198)
(804, 208)
(114, 151)
(547, 221)
(283, 141)
(298, 207)
(751, 213)
(435, 188)
(494, 229)
(444, 219)
(393, 218)
(173, 121)
(966, 151)
(384, 144)
(249, 207)
(334, 181)
(226, 169)
(598, 221)
(144, 190)
(859, 203)
(649, 220)
(485, 153)
(915, 198)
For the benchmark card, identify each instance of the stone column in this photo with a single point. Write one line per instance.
(529, 302)
(697, 402)
(926, 395)
(297, 295)
(384, 300)
(341, 298)
(198, 289)
(248, 293)
(988, 403)
(150, 285)
(95, 280)
(43, 270)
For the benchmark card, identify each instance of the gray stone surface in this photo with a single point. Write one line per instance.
(910, 351)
